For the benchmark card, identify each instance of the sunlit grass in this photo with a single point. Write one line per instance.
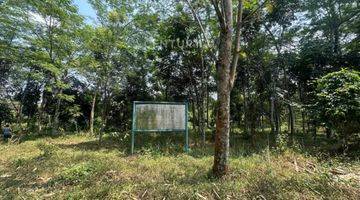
(73, 167)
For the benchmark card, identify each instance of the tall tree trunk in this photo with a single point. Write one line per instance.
(92, 113)
(226, 74)
(220, 166)
(202, 99)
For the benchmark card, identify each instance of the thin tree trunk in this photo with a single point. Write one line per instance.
(202, 99)
(303, 122)
(57, 113)
(194, 118)
(199, 119)
(262, 123)
(194, 114)
(202, 124)
(105, 110)
(76, 126)
(40, 115)
(314, 132)
(41, 108)
(291, 123)
(272, 115)
(278, 120)
(328, 132)
(301, 95)
(207, 105)
(92, 113)
(246, 124)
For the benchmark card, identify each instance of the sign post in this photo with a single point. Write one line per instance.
(149, 116)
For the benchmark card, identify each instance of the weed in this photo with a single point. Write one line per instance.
(76, 174)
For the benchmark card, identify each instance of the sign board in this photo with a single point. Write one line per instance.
(151, 116)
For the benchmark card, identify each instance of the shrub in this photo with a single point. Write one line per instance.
(338, 102)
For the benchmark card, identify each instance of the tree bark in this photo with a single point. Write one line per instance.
(220, 166)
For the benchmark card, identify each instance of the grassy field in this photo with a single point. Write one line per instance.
(76, 167)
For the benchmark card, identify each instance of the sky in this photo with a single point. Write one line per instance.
(86, 10)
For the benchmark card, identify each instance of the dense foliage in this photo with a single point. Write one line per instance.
(338, 102)
(63, 72)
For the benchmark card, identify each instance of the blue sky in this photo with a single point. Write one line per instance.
(86, 10)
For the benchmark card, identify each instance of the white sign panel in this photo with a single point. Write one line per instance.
(152, 116)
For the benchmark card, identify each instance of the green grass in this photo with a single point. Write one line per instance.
(76, 167)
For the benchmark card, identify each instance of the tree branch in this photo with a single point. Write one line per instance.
(278, 50)
(254, 11)
(236, 52)
(198, 20)
(219, 14)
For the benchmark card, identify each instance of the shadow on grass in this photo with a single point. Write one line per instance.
(33, 137)
(170, 144)
(108, 143)
(149, 143)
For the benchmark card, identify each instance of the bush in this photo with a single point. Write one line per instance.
(338, 102)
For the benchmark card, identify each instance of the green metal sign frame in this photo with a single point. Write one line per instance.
(134, 130)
